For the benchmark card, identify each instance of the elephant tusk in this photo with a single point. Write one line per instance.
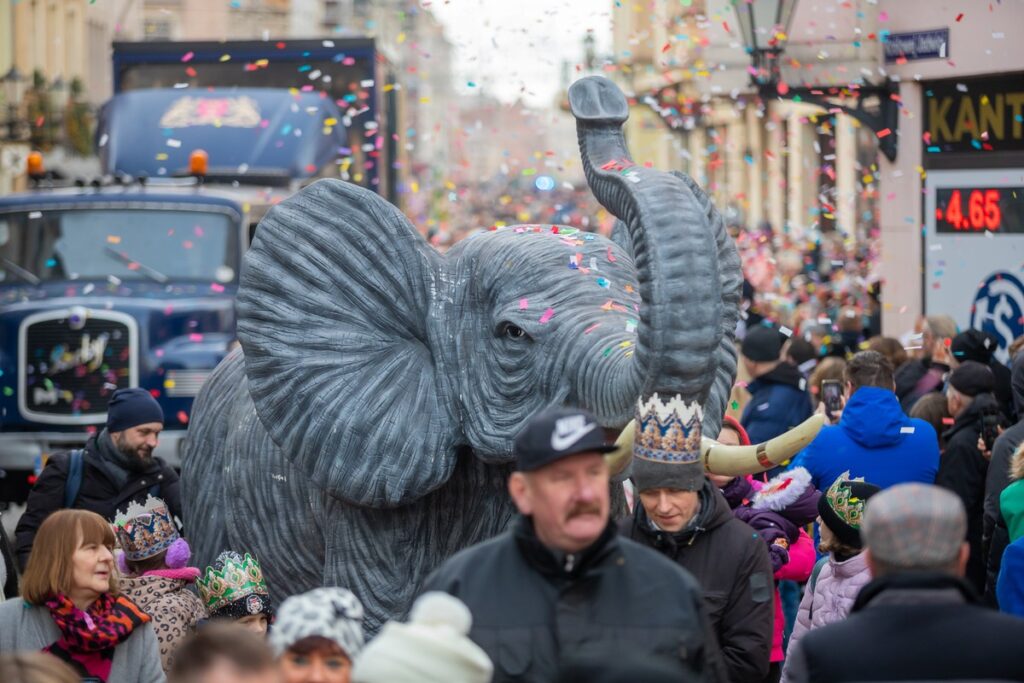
(736, 461)
(733, 461)
(619, 459)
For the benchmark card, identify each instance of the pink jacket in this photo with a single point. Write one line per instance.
(834, 593)
(799, 567)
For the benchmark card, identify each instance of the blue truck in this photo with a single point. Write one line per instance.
(130, 279)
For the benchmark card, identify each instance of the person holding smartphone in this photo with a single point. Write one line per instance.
(868, 433)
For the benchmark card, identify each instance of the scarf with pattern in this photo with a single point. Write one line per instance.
(88, 638)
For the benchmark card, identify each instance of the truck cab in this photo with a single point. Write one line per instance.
(109, 287)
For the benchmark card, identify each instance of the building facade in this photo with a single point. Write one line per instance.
(952, 213)
(794, 166)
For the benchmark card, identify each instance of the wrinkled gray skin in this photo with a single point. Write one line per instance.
(365, 434)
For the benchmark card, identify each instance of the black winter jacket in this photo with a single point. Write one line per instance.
(994, 533)
(531, 609)
(731, 564)
(962, 470)
(912, 627)
(106, 488)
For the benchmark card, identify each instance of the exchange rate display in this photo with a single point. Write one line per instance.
(979, 209)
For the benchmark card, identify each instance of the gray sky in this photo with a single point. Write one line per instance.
(505, 45)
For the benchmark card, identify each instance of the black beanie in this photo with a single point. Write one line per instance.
(972, 378)
(130, 408)
(762, 344)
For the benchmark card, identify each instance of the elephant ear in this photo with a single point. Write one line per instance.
(333, 318)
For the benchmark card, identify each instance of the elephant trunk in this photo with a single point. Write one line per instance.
(675, 252)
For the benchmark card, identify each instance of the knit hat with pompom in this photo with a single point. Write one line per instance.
(432, 647)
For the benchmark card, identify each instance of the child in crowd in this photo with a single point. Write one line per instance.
(317, 635)
(830, 594)
(777, 510)
(154, 575)
(234, 589)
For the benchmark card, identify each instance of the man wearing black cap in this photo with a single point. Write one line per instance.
(962, 468)
(561, 582)
(778, 392)
(115, 467)
(981, 346)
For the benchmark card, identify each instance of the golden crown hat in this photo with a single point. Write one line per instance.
(146, 530)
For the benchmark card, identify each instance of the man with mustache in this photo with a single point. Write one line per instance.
(115, 467)
(561, 583)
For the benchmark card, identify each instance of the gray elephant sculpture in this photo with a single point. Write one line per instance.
(365, 433)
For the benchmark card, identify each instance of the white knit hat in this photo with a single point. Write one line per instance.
(432, 647)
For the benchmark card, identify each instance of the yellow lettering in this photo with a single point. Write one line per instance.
(1015, 101)
(937, 112)
(966, 120)
(992, 117)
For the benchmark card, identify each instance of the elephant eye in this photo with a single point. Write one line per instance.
(512, 331)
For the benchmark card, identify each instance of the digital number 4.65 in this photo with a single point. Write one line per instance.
(983, 211)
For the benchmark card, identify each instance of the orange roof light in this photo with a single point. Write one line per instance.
(198, 162)
(34, 165)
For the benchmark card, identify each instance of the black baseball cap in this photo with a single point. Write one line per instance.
(556, 433)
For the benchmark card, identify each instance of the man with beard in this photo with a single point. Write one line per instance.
(562, 583)
(115, 467)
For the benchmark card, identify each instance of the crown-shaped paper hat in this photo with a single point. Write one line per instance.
(842, 507)
(666, 448)
(146, 530)
(844, 503)
(234, 580)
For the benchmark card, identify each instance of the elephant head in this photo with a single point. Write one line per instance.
(359, 338)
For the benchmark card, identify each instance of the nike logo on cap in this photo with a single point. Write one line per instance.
(569, 430)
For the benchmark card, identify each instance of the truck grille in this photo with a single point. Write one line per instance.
(71, 361)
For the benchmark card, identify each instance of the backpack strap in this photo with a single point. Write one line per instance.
(73, 483)
(812, 582)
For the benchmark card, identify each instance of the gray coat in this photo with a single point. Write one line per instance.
(26, 627)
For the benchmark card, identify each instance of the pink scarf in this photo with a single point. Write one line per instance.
(187, 574)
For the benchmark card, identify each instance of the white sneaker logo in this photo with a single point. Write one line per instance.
(569, 430)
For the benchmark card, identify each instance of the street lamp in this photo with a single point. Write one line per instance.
(765, 28)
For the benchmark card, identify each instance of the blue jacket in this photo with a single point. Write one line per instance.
(1010, 586)
(778, 402)
(875, 440)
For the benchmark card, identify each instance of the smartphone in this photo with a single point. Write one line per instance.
(989, 429)
(832, 396)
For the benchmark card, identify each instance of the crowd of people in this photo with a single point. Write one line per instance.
(890, 548)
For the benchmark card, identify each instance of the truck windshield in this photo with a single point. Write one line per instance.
(92, 244)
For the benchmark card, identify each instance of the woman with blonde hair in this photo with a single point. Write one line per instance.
(72, 609)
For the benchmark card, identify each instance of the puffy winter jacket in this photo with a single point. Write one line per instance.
(802, 556)
(532, 608)
(778, 402)
(874, 440)
(833, 596)
(731, 564)
(1010, 585)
